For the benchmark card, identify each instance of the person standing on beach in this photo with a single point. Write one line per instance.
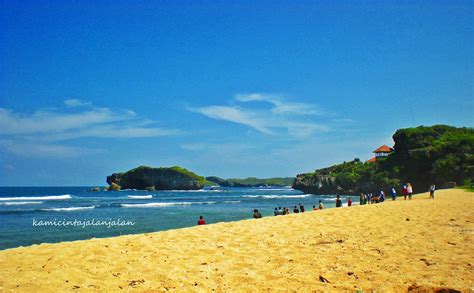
(382, 196)
(287, 211)
(201, 221)
(405, 192)
(256, 214)
(276, 212)
(321, 205)
(432, 190)
(349, 202)
(301, 208)
(338, 202)
(409, 190)
(393, 192)
(296, 210)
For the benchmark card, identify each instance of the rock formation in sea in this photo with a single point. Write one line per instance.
(149, 178)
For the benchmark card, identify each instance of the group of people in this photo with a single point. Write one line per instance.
(407, 191)
(365, 198)
(279, 211)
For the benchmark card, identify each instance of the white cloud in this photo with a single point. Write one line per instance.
(279, 105)
(47, 121)
(39, 130)
(76, 103)
(217, 148)
(27, 149)
(111, 131)
(282, 115)
(236, 115)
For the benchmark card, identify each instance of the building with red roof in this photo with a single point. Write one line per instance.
(381, 152)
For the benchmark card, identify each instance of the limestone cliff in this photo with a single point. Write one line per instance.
(148, 178)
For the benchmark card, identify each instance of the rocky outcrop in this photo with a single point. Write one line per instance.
(318, 184)
(251, 181)
(425, 155)
(148, 178)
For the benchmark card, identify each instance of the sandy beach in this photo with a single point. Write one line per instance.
(421, 244)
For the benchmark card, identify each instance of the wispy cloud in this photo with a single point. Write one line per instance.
(76, 103)
(294, 117)
(279, 105)
(39, 150)
(234, 114)
(45, 128)
(41, 122)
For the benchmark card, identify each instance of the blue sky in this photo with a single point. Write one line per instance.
(250, 88)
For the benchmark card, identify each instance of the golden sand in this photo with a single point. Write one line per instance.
(421, 244)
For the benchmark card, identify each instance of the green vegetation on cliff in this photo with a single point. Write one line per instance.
(252, 181)
(439, 154)
(150, 178)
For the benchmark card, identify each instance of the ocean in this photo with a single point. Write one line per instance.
(34, 215)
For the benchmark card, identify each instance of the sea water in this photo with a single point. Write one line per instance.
(33, 215)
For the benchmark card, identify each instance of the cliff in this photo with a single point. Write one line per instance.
(251, 181)
(439, 154)
(143, 177)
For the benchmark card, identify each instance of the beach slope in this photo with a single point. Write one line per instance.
(417, 245)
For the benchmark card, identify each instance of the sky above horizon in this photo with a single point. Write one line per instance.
(232, 89)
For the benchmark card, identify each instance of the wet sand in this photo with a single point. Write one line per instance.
(421, 244)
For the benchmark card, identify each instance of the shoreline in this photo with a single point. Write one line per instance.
(374, 247)
(308, 209)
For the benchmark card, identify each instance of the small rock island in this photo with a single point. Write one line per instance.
(149, 178)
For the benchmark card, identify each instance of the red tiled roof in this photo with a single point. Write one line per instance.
(372, 160)
(383, 149)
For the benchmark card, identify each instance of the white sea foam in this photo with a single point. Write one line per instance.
(163, 204)
(70, 209)
(197, 190)
(140, 196)
(278, 196)
(232, 201)
(49, 197)
(276, 189)
(14, 203)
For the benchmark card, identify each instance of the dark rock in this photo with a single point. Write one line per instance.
(156, 179)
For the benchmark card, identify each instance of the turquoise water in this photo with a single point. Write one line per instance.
(33, 215)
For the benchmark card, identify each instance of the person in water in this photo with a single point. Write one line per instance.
(321, 205)
(201, 221)
(301, 208)
(256, 214)
(296, 210)
(338, 202)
